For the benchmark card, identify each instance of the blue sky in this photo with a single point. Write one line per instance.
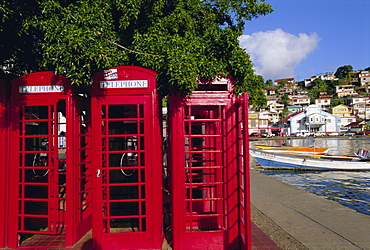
(302, 38)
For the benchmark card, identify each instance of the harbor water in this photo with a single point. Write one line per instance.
(349, 188)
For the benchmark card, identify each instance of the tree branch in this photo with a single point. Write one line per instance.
(133, 51)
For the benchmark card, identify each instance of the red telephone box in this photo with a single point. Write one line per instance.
(208, 168)
(127, 159)
(50, 198)
(3, 160)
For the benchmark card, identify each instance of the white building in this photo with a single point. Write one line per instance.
(313, 119)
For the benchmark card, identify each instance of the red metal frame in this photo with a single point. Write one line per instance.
(208, 169)
(46, 155)
(243, 172)
(3, 160)
(127, 160)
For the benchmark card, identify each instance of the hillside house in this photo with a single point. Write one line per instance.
(342, 111)
(288, 82)
(302, 100)
(286, 90)
(358, 99)
(324, 102)
(345, 115)
(269, 91)
(324, 77)
(276, 107)
(271, 101)
(294, 109)
(364, 78)
(361, 110)
(345, 90)
(302, 92)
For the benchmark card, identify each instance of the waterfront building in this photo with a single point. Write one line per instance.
(312, 119)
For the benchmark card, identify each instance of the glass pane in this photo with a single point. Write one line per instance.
(141, 127)
(36, 191)
(122, 127)
(36, 144)
(103, 111)
(122, 111)
(34, 224)
(36, 207)
(123, 176)
(36, 175)
(123, 192)
(36, 112)
(122, 143)
(124, 208)
(36, 128)
(141, 107)
(123, 225)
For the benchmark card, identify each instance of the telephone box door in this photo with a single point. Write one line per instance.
(38, 184)
(199, 219)
(128, 208)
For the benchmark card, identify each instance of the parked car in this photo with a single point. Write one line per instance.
(334, 134)
(267, 135)
(319, 133)
(302, 134)
(348, 133)
(367, 132)
(254, 134)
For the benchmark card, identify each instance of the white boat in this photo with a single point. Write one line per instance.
(269, 160)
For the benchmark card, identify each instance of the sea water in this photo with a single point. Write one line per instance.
(349, 188)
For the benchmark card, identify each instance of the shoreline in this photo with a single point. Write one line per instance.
(305, 137)
(297, 219)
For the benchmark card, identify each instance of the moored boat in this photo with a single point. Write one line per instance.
(269, 160)
(290, 149)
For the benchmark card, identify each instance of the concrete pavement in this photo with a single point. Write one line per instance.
(311, 220)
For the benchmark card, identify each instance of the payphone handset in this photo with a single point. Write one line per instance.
(129, 158)
(41, 159)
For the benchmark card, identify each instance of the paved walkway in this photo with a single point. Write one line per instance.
(310, 220)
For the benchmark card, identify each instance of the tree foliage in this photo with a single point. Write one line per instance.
(343, 71)
(318, 86)
(337, 101)
(284, 100)
(181, 40)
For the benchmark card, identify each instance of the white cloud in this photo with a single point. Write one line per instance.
(276, 53)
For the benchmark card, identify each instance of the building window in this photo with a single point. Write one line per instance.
(253, 124)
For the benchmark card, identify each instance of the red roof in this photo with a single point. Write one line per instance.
(288, 117)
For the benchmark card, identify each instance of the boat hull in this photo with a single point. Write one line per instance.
(292, 162)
